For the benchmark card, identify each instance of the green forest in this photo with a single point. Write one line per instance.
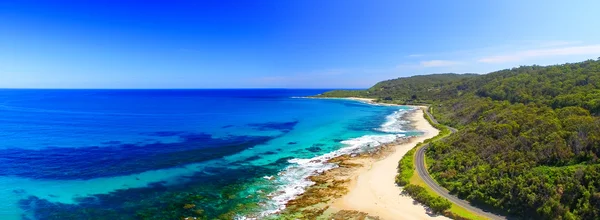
(528, 141)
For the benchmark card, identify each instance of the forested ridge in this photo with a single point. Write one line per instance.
(528, 141)
(422, 88)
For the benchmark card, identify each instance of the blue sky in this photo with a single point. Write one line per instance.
(281, 44)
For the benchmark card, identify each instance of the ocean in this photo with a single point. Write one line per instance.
(164, 154)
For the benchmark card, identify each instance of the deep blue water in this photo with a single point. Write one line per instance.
(130, 154)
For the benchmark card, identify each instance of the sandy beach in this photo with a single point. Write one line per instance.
(374, 191)
(363, 186)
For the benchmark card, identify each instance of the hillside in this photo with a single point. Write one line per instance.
(529, 137)
(424, 88)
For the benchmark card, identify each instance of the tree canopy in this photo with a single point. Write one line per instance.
(529, 138)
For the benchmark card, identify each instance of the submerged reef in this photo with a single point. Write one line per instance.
(120, 159)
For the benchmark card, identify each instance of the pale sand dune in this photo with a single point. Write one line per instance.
(374, 190)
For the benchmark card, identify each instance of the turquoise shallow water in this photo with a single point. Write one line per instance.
(130, 154)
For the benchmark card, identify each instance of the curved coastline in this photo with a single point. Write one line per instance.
(375, 191)
(363, 186)
(299, 177)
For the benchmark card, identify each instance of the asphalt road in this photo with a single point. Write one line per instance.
(424, 174)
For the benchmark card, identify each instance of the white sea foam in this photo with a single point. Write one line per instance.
(294, 179)
(394, 122)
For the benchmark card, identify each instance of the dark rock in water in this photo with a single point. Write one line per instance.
(159, 200)
(212, 170)
(314, 149)
(281, 126)
(252, 158)
(292, 143)
(52, 195)
(237, 163)
(338, 140)
(18, 191)
(284, 160)
(121, 159)
(270, 153)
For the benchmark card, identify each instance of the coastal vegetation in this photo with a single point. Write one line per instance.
(437, 204)
(410, 90)
(406, 168)
(416, 188)
(343, 93)
(529, 137)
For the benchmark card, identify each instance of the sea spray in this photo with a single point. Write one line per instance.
(394, 122)
(224, 186)
(294, 180)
